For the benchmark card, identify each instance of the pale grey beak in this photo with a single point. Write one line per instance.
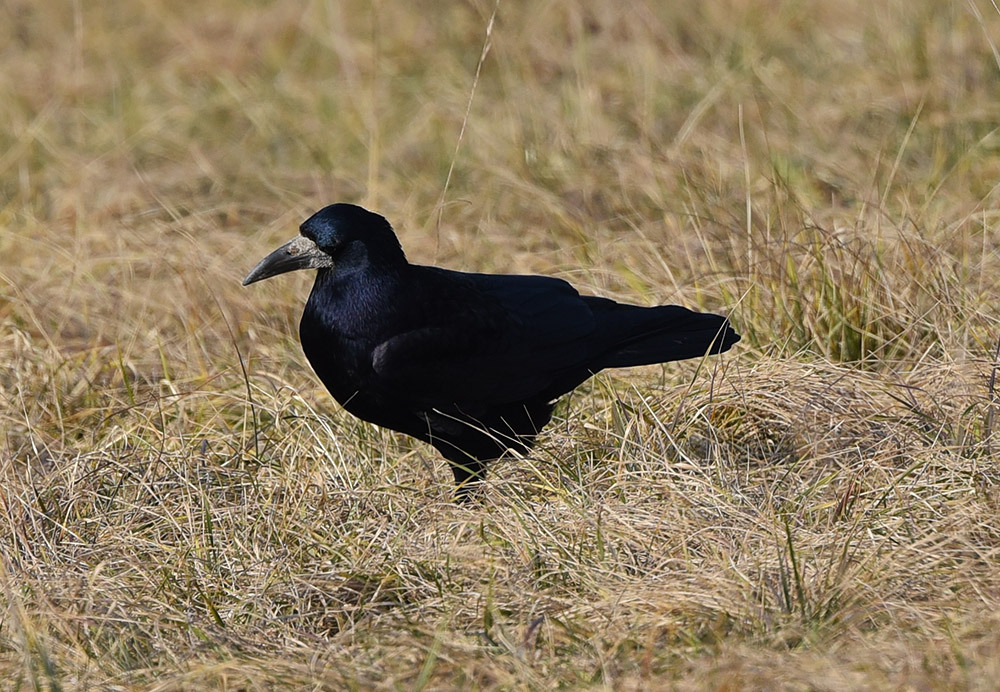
(298, 253)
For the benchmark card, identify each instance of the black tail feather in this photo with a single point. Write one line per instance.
(641, 336)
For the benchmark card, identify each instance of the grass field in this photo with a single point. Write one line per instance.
(184, 507)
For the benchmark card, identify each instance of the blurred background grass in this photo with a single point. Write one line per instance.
(815, 511)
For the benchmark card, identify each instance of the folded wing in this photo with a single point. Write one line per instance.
(515, 338)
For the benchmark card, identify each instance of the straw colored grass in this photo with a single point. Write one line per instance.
(182, 506)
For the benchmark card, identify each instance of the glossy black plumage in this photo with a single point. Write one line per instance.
(471, 363)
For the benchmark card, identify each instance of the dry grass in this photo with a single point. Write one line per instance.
(817, 510)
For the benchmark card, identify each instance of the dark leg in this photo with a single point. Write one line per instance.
(469, 474)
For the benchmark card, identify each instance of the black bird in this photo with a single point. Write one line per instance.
(471, 363)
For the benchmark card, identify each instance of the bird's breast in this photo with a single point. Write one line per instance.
(341, 361)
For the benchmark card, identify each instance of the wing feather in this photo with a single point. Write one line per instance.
(512, 337)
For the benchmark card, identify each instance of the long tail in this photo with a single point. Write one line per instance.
(636, 335)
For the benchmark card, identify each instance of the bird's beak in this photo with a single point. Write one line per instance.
(298, 253)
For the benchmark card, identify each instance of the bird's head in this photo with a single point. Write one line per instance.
(338, 236)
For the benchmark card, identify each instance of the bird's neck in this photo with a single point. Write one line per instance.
(354, 300)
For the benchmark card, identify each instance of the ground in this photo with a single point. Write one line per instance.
(184, 507)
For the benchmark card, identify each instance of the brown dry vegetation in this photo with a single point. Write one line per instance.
(817, 510)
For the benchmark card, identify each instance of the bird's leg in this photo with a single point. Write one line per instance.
(469, 475)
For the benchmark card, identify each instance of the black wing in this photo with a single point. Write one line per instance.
(496, 339)
(506, 339)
